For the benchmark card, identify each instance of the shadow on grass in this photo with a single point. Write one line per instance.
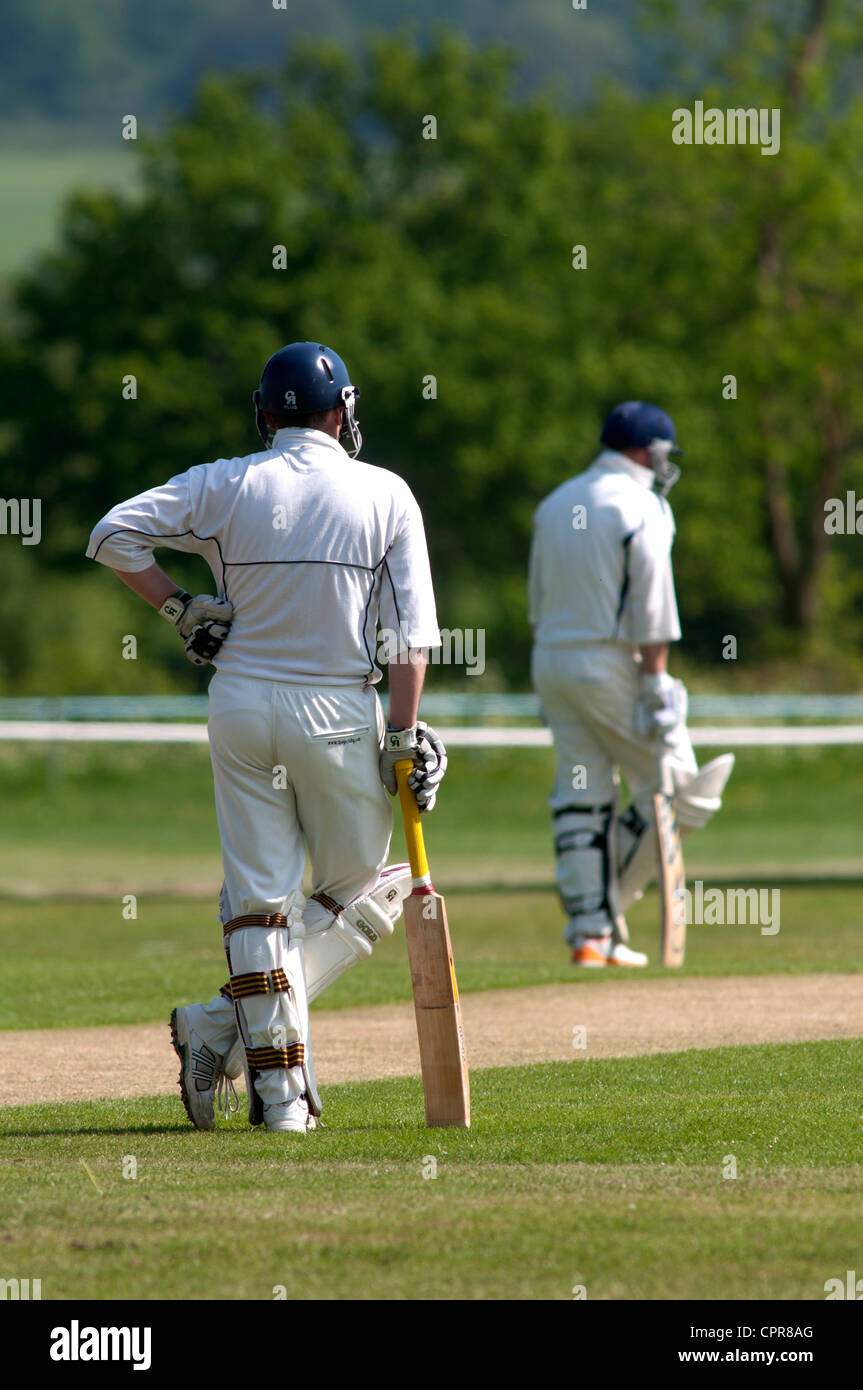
(69, 1131)
(39, 1129)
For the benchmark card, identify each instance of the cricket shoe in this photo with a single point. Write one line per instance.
(599, 951)
(202, 1072)
(290, 1116)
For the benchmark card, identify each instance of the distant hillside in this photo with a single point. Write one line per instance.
(91, 62)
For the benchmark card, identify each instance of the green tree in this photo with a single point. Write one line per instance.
(450, 258)
(444, 258)
(775, 243)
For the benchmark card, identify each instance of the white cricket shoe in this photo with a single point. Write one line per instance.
(202, 1071)
(593, 951)
(290, 1116)
(621, 954)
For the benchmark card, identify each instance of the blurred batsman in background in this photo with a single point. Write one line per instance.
(311, 551)
(603, 612)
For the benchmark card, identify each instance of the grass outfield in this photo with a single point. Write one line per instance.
(614, 1177)
(104, 822)
(611, 1176)
(106, 970)
(137, 819)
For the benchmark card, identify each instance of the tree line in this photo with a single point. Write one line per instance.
(497, 269)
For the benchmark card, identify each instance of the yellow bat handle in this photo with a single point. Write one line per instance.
(411, 816)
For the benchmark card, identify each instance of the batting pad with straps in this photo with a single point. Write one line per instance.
(267, 988)
(586, 871)
(697, 798)
(337, 938)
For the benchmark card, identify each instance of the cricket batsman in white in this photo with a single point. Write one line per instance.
(311, 553)
(604, 612)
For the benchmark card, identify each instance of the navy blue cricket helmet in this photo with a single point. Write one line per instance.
(639, 425)
(302, 379)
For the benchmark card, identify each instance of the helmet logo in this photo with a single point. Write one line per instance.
(290, 400)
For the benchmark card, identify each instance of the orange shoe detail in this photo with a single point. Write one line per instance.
(588, 954)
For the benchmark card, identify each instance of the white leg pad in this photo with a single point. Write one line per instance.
(696, 800)
(333, 945)
(315, 1103)
(276, 1020)
(636, 850)
(585, 870)
(330, 954)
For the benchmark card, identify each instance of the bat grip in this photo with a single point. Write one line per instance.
(413, 828)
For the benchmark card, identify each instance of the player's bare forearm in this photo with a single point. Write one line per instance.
(654, 658)
(406, 683)
(153, 584)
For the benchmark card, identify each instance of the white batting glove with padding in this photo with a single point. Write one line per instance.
(661, 706)
(425, 748)
(204, 622)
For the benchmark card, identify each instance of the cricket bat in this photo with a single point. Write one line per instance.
(446, 1085)
(672, 880)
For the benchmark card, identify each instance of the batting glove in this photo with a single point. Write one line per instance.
(204, 642)
(425, 748)
(662, 704)
(204, 622)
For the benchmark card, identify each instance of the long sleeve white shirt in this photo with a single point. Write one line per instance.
(315, 550)
(600, 563)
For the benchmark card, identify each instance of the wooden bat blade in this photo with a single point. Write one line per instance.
(672, 882)
(438, 1012)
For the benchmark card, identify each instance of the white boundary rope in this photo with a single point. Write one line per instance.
(705, 736)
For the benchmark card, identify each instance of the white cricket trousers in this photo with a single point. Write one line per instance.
(296, 767)
(588, 694)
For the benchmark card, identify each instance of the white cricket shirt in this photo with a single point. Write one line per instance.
(600, 561)
(314, 549)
